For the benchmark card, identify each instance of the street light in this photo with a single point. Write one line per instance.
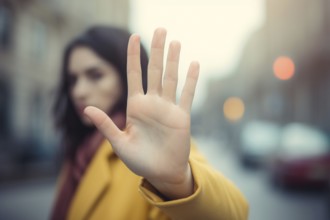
(233, 109)
(284, 68)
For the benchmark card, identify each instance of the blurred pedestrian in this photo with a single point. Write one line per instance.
(140, 162)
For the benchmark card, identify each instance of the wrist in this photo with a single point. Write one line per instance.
(172, 191)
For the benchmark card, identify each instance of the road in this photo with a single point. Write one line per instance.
(266, 201)
(32, 199)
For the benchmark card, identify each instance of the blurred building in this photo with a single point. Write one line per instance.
(298, 30)
(33, 34)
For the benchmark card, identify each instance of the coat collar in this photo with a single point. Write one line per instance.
(96, 179)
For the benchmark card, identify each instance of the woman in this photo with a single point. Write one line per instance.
(146, 167)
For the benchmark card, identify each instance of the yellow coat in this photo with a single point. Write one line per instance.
(109, 190)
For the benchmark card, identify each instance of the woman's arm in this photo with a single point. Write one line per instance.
(214, 197)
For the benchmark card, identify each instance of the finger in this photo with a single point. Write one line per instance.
(171, 71)
(188, 91)
(134, 81)
(103, 123)
(155, 67)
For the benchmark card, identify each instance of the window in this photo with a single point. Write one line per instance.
(5, 27)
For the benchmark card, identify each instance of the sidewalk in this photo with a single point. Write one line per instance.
(30, 199)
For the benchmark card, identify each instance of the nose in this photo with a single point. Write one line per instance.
(80, 90)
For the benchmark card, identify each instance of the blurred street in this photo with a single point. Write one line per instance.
(266, 202)
(27, 200)
(263, 91)
(32, 200)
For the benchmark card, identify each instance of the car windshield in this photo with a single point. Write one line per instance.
(260, 136)
(303, 140)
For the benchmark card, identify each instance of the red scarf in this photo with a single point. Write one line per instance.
(74, 171)
(76, 168)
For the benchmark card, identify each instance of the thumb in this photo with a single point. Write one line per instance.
(103, 123)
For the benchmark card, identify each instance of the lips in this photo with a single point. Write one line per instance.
(80, 109)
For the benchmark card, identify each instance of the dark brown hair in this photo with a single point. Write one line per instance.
(110, 43)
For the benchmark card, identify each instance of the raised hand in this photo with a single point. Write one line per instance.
(156, 141)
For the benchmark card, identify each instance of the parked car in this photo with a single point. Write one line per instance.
(303, 158)
(258, 141)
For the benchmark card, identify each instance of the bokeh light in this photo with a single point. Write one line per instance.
(284, 68)
(233, 109)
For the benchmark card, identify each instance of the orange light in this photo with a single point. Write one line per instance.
(233, 109)
(284, 68)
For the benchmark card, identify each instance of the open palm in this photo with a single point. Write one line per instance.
(156, 141)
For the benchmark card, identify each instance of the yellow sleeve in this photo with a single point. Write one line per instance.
(215, 197)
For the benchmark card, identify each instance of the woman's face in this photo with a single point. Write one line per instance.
(93, 81)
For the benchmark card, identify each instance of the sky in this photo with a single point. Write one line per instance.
(212, 32)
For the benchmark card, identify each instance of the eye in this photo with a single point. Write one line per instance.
(94, 74)
(72, 79)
